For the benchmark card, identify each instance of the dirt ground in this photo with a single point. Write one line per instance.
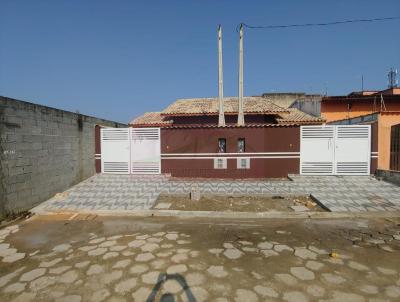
(115, 259)
(236, 203)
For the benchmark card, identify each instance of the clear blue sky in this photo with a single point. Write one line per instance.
(118, 59)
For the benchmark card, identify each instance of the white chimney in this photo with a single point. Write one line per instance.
(240, 113)
(221, 116)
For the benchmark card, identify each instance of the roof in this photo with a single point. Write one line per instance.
(363, 92)
(292, 117)
(391, 91)
(231, 126)
(287, 99)
(298, 117)
(209, 106)
(151, 119)
(388, 91)
(362, 98)
(282, 99)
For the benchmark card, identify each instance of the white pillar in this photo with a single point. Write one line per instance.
(240, 113)
(221, 116)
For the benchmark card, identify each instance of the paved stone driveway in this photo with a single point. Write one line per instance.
(336, 193)
(108, 192)
(128, 192)
(119, 260)
(351, 193)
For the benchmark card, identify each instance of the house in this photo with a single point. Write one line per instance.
(334, 108)
(386, 124)
(193, 144)
(308, 103)
(380, 109)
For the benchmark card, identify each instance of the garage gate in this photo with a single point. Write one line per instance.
(130, 150)
(335, 150)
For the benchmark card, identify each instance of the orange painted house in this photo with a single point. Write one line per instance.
(389, 140)
(334, 108)
(378, 108)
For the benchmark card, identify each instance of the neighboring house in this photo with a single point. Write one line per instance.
(334, 108)
(381, 109)
(387, 125)
(193, 145)
(308, 103)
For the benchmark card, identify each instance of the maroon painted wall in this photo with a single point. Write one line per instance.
(205, 140)
(267, 139)
(259, 168)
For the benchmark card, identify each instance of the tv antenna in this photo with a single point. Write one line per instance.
(392, 78)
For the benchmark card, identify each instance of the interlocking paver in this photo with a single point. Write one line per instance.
(135, 192)
(109, 192)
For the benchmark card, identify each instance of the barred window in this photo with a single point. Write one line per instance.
(241, 145)
(222, 145)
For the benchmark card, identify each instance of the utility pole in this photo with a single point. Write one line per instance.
(221, 116)
(240, 113)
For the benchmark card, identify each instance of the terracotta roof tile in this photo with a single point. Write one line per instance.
(231, 126)
(297, 116)
(289, 116)
(151, 118)
(209, 106)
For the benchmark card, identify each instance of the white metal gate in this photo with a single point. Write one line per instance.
(316, 149)
(335, 150)
(115, 150)
(145, 151)
(130, 150)
(353, 150)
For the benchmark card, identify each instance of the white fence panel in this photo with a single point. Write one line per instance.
(353, 150)
(115, 150)
(131, 150)
(145, 151)
(338, 150)
(317, 150)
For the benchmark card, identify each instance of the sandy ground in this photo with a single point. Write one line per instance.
(89, 258)
(236, 203)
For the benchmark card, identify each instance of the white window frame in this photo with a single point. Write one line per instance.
(218, 160)
(239, 162)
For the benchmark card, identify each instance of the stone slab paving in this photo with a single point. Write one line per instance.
(165, 260)
(132, 192)
(336, 193)
(108, 192)
(351, 193)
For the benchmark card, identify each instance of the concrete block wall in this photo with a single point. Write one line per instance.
(43, 151)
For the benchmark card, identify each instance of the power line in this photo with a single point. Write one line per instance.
(318, 24)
